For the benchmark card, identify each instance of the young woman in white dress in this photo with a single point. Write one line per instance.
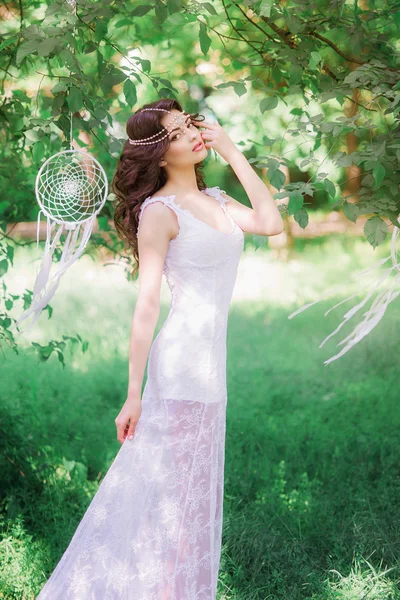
(153, 530)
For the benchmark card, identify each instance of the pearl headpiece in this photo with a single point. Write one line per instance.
(179, 119)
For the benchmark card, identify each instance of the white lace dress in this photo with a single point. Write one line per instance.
(153, 529)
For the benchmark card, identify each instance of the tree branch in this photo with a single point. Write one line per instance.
(335, 48)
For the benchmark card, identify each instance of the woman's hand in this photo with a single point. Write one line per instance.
(127, 419)
(214, 136)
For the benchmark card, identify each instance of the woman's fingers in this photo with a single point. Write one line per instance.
(127, 420)
(120, 434)
(122, 424)
(207, 134)
(206, 124)
(131, 430)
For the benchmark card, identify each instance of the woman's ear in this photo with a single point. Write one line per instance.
(161, 163)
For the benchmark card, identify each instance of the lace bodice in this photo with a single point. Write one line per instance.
(188, 357)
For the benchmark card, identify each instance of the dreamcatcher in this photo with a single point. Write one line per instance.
(379, 305)
(71, 188)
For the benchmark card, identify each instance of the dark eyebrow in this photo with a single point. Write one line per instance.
(188, 117)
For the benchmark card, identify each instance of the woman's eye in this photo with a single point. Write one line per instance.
(191, 124)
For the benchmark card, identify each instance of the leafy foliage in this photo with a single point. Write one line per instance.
(331, 68)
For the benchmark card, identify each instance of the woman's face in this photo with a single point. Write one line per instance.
(182, 137)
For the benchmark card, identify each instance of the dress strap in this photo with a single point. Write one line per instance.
(167, 200)
(217, 193)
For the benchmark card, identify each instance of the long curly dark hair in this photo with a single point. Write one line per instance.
(138, 173)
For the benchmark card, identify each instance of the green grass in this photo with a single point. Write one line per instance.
(312, 476)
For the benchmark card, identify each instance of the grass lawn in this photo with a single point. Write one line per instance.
(312, 464)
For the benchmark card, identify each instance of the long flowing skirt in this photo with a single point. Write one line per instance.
(153, 529)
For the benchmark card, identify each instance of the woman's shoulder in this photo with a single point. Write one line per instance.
(155, 200)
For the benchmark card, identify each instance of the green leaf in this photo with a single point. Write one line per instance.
(61, 86)
(113, 77)
(330, 187)
(376, 231)
(123, 22)
(161, 11)
(60, 356)
(351, 211)
(268, 103)
(10, 254)
(295, 76)
(46, 47)
(100, 113)
(208, 6)
(70, 61)
(296, 201)
(140, 11)
(89, 47)
(315, 61)
(25, 49)
(379, 173)
(301, 217)
(205, 40)
(146, 64)
(276, 177)
(32, 135)
(265, 8)
(239, 88)
(130, 92)
(174, 6)
(18, 124)
(8, 42)
(38, 151)
(75, 99)
(173, 22)
(3, 267)
(100, 30)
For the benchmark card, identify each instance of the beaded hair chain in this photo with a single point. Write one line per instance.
(179, 119)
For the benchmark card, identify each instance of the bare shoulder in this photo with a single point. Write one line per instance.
(157, 221)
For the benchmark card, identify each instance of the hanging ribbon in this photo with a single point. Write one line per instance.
(378, 307)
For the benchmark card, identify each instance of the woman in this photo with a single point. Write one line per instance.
(153, 529)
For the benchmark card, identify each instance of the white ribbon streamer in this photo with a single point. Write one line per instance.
(378, 308)
(41, 295)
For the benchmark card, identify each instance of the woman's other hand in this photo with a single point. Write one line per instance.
(127, 419)
(214, 136)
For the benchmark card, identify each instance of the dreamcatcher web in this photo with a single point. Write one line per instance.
(378, 307)
(71, 188)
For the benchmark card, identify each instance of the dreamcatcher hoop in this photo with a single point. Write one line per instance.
(71, 188)
(81, 179)
(378, 306)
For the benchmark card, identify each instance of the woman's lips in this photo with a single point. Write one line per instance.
(198, 147)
